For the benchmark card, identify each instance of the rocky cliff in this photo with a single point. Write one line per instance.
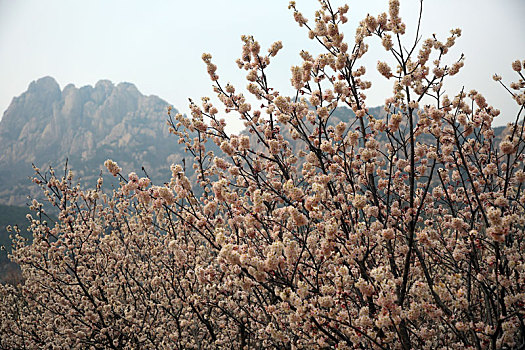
(46, 125)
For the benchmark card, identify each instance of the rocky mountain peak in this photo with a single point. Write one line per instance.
(87, 125)
(44, 86)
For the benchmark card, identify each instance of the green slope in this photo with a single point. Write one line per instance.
(10, 215)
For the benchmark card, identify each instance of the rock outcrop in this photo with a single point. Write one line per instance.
(46, 125)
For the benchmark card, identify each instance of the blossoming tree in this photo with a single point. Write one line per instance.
(401, 230)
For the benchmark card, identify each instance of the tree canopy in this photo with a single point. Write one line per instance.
(313, 229)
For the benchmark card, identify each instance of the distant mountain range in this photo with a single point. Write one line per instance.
(46, 125)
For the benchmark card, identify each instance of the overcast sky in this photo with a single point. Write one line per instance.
(157, 44)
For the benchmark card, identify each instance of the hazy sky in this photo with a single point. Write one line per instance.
(157, 44)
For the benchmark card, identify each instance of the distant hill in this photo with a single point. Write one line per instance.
(46, 125)
(12, 216)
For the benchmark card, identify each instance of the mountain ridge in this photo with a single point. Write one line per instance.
(46, 125)
(84, 126)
